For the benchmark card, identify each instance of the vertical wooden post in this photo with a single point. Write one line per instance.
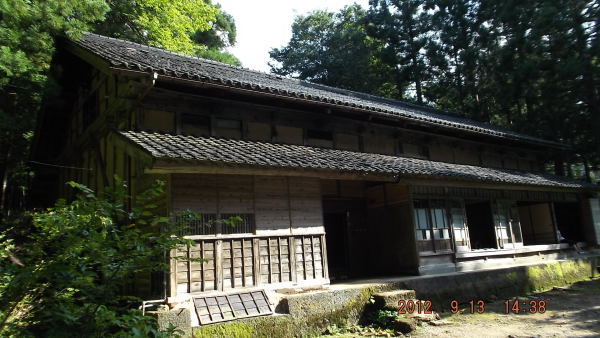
(280, 264)
(312, 255)
(256, 261)
(324, 257)
(554, 223)
(243, 267)
(173, 276)
(189, 268)
(303, 258)
(269, 260)
(292, 254)
(219, 264)
(202, 267)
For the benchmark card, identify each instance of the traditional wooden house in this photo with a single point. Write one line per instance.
(329, 183)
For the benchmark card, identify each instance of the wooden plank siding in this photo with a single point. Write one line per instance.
(286, 246)
(280, 205)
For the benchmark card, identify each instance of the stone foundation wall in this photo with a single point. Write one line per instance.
(311, 313)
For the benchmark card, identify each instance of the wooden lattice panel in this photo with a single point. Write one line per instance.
(248, 262)
(237, 263)
(213, 309)
(309, 261)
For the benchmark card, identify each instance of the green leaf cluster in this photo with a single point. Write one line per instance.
(75, 264)
(28, 30)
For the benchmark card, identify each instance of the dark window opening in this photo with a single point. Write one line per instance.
(319, 135)
(537, 223)
(481, 227)
(568, 221)
(413, 150)
(195, 125)
(229, 128)
(319, 138)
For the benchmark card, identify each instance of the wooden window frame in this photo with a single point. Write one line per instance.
(430, 225)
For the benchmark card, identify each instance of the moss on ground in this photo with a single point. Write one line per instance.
(542, 278)
(272, 326)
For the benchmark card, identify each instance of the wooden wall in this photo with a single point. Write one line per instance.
(287, 126)
(281, 205)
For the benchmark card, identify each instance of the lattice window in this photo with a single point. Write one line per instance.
(210, 224)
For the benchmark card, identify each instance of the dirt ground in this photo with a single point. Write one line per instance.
(573, 311)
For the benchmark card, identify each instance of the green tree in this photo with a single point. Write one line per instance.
(160, 23)
(67, 270)
(402, 30)
(27, 33)
(332, 49)
(221, 35)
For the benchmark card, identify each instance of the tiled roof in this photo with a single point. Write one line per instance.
(270, 155)
(129, 55)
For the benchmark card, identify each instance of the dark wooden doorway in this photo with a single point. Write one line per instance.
(346, 235)
(481, 226)
(336, 229)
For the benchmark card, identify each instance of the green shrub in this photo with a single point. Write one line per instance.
(65, 269)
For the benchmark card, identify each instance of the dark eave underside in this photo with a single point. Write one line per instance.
(271, 155)
(133, 56)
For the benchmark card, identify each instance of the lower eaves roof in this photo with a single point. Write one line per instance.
(286, 156)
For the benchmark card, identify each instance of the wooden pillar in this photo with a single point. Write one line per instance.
(324, 257)
(292, 256)
(173, 275)
(219, 264)
(256, 261)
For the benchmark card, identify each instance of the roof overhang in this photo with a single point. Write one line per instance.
(188, 154)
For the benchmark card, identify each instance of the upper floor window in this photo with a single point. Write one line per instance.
(347, 142)
(228, 128)
(287, 134)
(195, 125)
(158, 120)
(379, 144)
(259, 131)
(319, 138)
(413, 150)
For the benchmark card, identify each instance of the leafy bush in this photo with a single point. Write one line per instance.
(384, 318)
(64, 270)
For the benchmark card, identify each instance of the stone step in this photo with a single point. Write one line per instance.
(390, 299)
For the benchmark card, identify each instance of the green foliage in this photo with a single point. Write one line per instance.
(222, 33)
(161, 23)
(217, 55)
(384, 318)
(332, 49)
(28, 30)
(75, 262)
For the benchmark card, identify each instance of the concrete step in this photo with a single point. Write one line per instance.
(390, 299)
